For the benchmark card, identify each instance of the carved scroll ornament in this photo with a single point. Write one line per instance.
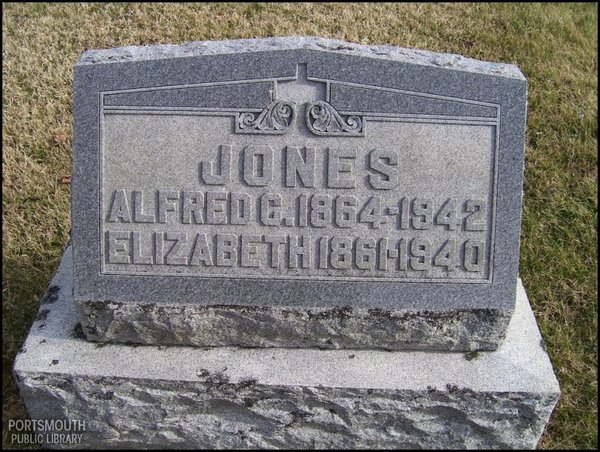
(323, 119)
(275, 118)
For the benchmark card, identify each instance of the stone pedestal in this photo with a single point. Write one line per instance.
(184, 397)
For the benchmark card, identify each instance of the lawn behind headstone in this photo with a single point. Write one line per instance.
(554, 45)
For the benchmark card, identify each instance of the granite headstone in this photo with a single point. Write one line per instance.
(296, 192)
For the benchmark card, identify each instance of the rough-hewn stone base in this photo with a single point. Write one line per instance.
(225, 397)
(214, 326)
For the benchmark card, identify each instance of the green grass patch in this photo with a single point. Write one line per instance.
(555, 45)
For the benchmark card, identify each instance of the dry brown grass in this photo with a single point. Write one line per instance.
(555, 45)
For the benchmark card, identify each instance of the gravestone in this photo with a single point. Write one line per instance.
(265, 200)
(296, 193)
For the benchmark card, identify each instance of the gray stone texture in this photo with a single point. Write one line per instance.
(154, 118)
(234, 46)
(227, 397)
(263, 326)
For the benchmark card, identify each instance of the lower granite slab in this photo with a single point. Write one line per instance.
(226, 397)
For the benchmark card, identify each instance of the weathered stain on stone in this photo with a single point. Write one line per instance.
(202, 373)
(452, 388)
(108, 395)
(335, 313)
(100, 344)
(42, 315)
(245, 382)
(51, 295)
(471, 355)
(77, 332)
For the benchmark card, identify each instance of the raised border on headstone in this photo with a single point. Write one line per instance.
(221, 105)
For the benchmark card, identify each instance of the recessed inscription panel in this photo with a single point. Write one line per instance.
(184, 194)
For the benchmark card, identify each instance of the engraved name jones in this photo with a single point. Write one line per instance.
(343, 218)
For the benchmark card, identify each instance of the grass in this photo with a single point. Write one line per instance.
(555, 45)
